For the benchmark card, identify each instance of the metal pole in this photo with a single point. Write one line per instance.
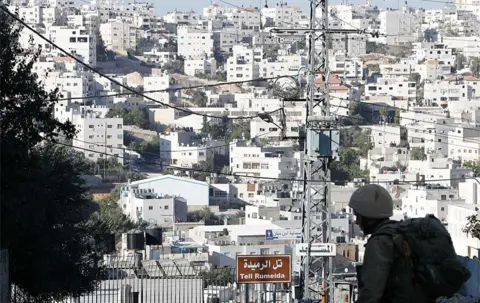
(105, 155)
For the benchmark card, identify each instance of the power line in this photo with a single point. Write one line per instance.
(2, 7)
(200, 148)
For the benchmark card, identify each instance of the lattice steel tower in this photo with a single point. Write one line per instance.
(316, 272)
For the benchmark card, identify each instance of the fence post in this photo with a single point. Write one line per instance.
(125, 294)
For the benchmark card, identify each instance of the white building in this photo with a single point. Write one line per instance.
(99, 136)
(119, 36)
(184, 149)
(205, 66)
(146, 205)
(465, 245)
(398, 27)
(244, 64)
(194, 43)
(77, 41)
(270, 162)
(195, 193)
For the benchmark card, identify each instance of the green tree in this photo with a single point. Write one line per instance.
(205, 215)
(135, 116)
(397, 117)
(473, 226)
(459, 61)
(473, 165)
(109, 217)
(174, 67)
(199, 98)
(418, 153)
(414, 77)
(475, 65)
(43, 204)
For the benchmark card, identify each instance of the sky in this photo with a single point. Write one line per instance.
(164, 6)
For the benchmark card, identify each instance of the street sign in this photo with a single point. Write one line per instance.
(316, 249)
(283, 234)
(264, 269)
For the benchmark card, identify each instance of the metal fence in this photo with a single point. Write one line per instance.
(130, 280)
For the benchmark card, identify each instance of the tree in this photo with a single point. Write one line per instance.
(43, 204)
(135, 116)
(473, 226)
(397, 117)
(475, 65)
(473, 165)
(109, 217)
(205, 215)
(418, 153)
(459, 61)
(414, 77)
(199, 98)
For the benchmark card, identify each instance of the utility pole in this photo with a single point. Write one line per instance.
(316, 271)
(320, 149)
(105, 155)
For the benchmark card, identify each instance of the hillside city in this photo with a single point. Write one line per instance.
(191, 124)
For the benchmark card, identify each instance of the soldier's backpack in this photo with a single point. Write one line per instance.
(429, 248)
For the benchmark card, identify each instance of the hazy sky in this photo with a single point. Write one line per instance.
(164, 6)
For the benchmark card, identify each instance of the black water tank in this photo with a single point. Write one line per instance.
(135, 240)
(106, 243)
(153, 235)
(213, 299)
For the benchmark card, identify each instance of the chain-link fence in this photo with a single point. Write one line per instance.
(129, 280)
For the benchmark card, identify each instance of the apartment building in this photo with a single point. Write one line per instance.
(464, 143)
(385, 136)
(159, 83)
(430, 199)
(283, 15)
(182, 18)
(194, 43)
(398, 27)
(244, 64)
(185, 149)
(119, 36)
(78, 41)
(99, 136)
(72, 84)
(88, 19)
(244, 20)
(434, 51)
(465, 244)
(146, 205)
(205, 66)
(386, 87)
(270, 162)
(37, 14)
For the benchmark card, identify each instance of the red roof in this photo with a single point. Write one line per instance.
(332, 79)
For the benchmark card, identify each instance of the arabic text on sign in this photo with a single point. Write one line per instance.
(261, 266)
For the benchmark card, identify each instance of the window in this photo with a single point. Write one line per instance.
(165, 207)
(150, 208)
(254, 215)
(119, 126)
(250, 195)
(90, 126)
(119, 136)
(109, 126)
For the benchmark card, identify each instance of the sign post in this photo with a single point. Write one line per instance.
(283, 234)
(316, 250)
(254, 269)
